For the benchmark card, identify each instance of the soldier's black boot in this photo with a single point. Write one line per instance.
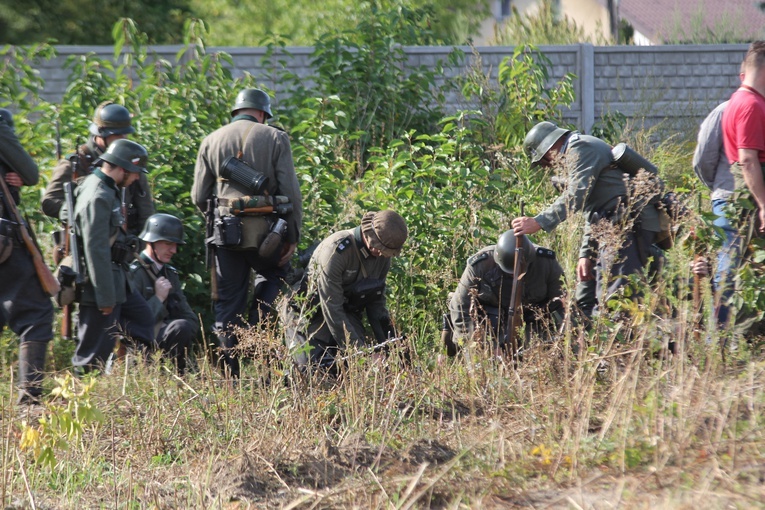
(31, 371)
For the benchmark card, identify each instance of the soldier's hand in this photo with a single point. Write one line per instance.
(13, 179)
(162, 288)
(761, 214)
(700, 266)
(584, 270)
(287, 251)
(107, 310)
(525, 225)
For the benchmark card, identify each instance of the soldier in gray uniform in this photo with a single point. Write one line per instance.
(596, 186)
(107, 298)
(110, 122)
(483, 295)
(24, 305)
(175, 323)
(245, 179)
(345, 281)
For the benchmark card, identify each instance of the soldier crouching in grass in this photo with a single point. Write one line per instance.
(483, 296)
(175, 323)
(345, 280)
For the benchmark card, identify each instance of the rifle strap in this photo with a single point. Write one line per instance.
(358, 256)
(148, 267)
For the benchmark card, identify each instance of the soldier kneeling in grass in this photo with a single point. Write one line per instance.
(482, 300)
(345, 280)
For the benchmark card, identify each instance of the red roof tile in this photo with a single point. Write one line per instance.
(660, 20)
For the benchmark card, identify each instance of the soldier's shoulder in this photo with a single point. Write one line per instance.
(545, 253)
(342, 242)
(277, 127)
(339, 242)
(482, 256)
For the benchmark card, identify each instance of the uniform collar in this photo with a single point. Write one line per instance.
(360, 243)
(244, 116)
(108, 180)
(156, 266)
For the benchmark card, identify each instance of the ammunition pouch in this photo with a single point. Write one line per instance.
(227, 231)
(67, 279)
(8, 232)
(362, 293)
(124, 250)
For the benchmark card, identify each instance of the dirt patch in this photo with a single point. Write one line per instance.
(241, 479)
(311, 472)
(428, 451)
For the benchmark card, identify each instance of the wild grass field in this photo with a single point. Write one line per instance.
(620, 421)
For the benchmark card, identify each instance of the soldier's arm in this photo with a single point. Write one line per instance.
(15, 158)
(461, 301)
(53, 199)
(554, 280)
(288, 185)
(95, 221)
(709, 148)
(377, 311)
(183, 309)
(582, 175)
(142, 199)
(331, 297)
(203, 187)
(146, 289)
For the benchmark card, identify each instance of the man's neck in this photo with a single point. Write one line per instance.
(755, 80)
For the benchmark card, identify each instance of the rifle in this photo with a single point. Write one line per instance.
(515, 312)
(71, 248)
(210, 247)
(49, 282)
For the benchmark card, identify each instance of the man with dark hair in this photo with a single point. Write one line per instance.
(24, 305)
(108, 300)
(110, 122)
(245, 182)
(345, 281)
(743, 124)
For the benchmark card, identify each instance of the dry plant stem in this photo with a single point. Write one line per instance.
(26, 481)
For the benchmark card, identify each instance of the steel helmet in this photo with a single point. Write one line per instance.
(163, 227)
(504, 251)
(130, 155)
(7, 116)
(111, 119)
(253, 98)
(541, 138)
